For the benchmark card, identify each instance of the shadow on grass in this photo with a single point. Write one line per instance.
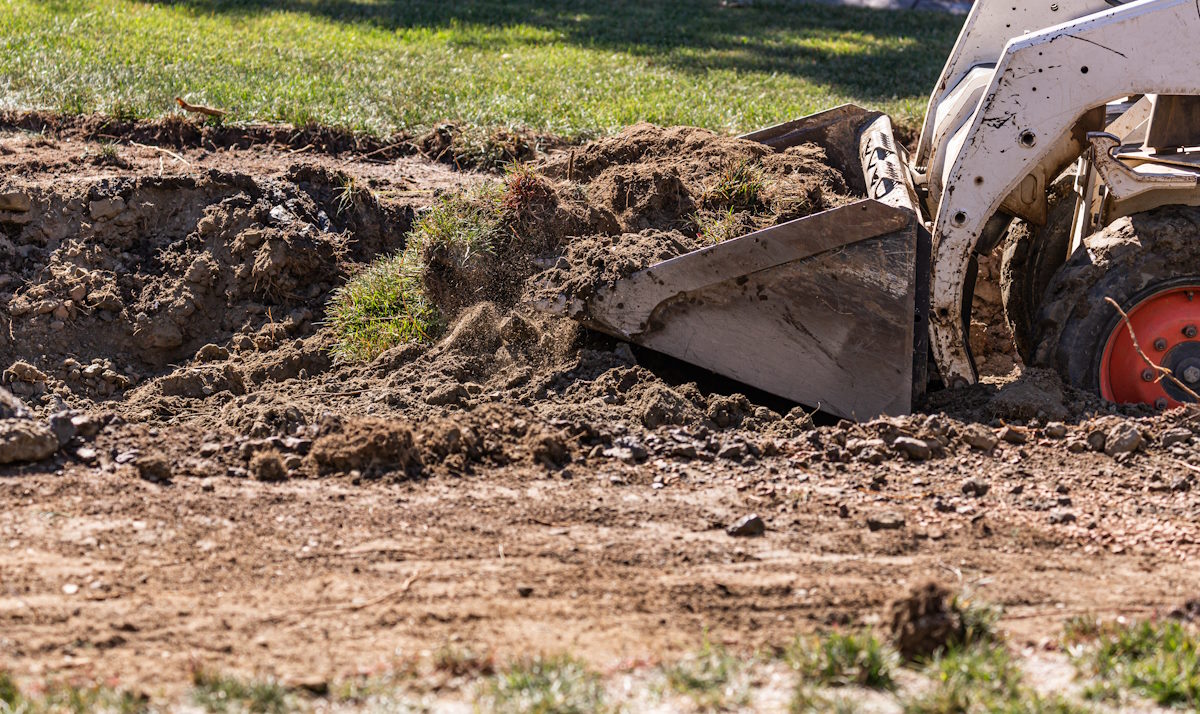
(872, 54)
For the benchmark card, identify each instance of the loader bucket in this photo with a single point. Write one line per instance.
(826, 310)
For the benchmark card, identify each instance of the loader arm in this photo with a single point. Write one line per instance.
(988, 28)
(1044, 85)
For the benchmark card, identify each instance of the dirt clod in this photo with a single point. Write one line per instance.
(924, 623)
(372, 446)
(25, 440)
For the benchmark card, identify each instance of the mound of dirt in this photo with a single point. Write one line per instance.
(674, 190)
(109, 282)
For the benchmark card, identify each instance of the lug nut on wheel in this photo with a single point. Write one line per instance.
(1160, 403)
(1148, 375)
(1189, 331)
(1160, 344)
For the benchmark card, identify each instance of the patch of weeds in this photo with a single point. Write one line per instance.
(62, 697)
(222, 693)
(10, 695)
(381, 307)
(982, 678)
(738, 185)
(346, 194)
(978, 620)
(838, 659)
(805, 701)
(709, 677)
(1157, 660)
(555, 685)
(1079, 629)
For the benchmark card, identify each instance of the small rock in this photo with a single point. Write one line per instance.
(1122, 439)
(1096, 440)
(86, 454)
(750, 525)
(63, 426)
(86, 425)
(1013, 435)
(153, 468)
(885, 522)
(1179, 435)
(70, 589)
(524, 591)
(975, 487)
(979, 437)
(914, 449)
(1062, 517)
(11, 407)
(735, 451)
(1075, 446)
(25, 440)
(1056, 430)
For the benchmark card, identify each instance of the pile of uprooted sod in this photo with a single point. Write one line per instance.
(576, 220)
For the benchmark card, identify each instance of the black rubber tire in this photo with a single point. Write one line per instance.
(1127, 261)
(1032, 255)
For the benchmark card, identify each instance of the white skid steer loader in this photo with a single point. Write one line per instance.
(1069, 127)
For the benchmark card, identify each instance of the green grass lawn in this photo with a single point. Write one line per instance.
(570, 67)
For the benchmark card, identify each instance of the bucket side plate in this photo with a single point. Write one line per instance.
(831, 328)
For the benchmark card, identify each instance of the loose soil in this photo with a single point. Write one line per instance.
(214, 489)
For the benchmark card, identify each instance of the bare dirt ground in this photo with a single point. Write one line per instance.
(220, 492)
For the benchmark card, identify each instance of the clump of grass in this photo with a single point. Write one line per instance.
(346, 194)
(460, 227)
(381, 307)
(555, 685)
(840, 659)
(1159, 660)
(718, 226)
(737, 186)
(222, 693)
(401, 298)
(709, 677)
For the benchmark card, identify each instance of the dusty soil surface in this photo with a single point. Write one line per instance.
(197, 482)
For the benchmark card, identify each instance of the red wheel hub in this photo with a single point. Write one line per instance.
(1166, 324)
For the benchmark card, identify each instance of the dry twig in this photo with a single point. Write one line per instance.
(1162, 371)
(168, 152)
(199, 108)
